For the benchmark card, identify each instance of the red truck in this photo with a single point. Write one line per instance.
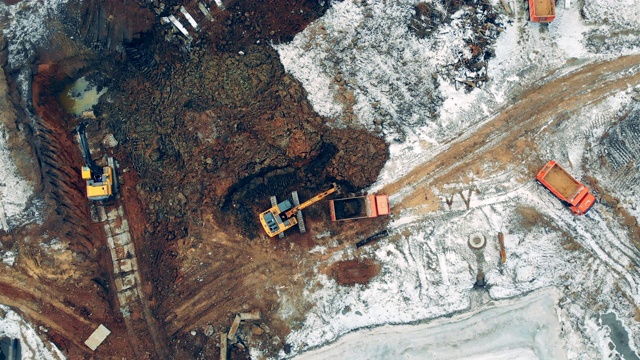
(542, 10)
(359, 207)
(565, 187)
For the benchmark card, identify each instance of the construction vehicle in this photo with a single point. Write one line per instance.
(100, 180)
(543, 11)
(359, 207)
(282, 216)
(565, 187)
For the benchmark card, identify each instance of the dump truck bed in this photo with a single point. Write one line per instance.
(574, 194)
(564, 183)
(544, 7)
(359, 207)
(353, 208)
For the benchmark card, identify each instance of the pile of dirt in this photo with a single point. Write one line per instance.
(352, 272)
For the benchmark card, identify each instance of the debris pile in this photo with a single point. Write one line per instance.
(481, 25)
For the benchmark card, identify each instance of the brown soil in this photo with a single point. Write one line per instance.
(66, 288)
(351, 272)
(204, 138)
(562, 182)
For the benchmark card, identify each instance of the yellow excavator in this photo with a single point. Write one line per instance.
(282, 216)
(100, 180)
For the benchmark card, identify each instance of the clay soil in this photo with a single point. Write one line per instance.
(351, 272)
(204, 136)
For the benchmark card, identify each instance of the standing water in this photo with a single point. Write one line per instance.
(619, 336)
(80, 96)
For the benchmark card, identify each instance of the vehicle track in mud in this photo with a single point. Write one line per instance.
(535, 111)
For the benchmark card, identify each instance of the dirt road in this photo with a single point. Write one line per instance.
(535, 111)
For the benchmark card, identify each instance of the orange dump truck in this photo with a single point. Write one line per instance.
(565, 187)
(359, 207)
(542, 10)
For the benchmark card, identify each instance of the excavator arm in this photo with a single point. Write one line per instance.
(100, 180)
(95, 169)
(281, 217)
(292, 212)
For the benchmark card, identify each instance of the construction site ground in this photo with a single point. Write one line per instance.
(204, 134)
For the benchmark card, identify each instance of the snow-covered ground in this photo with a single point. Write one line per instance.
(31, 346)
(362, 63)
(525, 328)
(14, 190)
(428, 270)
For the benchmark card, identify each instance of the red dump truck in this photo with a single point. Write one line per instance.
(359, 207)
(565, 187)
(542, 10)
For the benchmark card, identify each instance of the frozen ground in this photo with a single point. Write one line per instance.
(427, 268)
(31, 346)
(15, 192)
(524, 328)
(361, 63)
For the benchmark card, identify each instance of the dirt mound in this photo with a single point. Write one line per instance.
(351, 272)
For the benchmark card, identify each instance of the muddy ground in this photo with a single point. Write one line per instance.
(204, 135)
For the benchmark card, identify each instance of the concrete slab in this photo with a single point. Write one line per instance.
(122, 239)
(119, 226)
(97, 337)
(112, 214)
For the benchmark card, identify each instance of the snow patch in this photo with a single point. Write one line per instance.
(15, 192)
(31, 345)
(26, 28)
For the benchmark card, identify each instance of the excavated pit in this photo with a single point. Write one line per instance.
(203, 138)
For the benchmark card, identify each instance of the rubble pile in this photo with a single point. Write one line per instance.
(480, 23)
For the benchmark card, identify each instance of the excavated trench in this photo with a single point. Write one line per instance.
(203, 138)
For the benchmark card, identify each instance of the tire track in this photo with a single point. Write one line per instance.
(530, 115)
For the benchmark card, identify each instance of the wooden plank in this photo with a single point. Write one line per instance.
(234, 329)
(503, 252)
(223, 346)
(254, 315)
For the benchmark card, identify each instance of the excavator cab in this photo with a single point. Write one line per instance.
(274, 220)
(100, 180)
